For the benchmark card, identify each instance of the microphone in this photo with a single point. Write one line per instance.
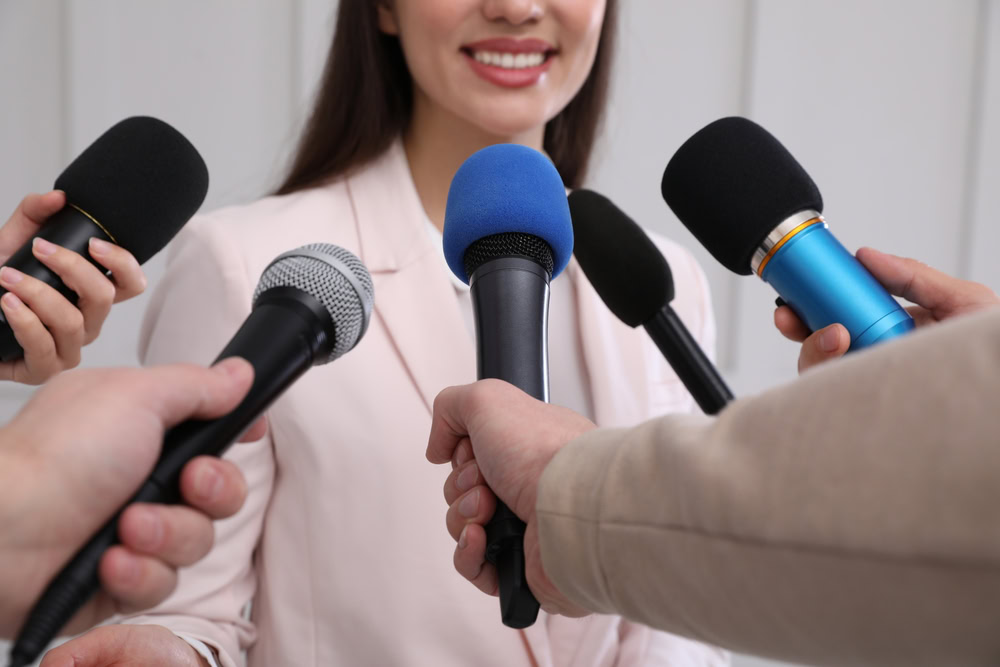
(135, 186)
(311, 306)
(507, 233)
(633, 279)
(756, 210)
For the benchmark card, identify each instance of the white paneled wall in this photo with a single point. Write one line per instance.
(874, 98)
(892, 105)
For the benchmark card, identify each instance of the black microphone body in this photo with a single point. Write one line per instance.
(69, 228)
(286, 331)
(685, 356)
(510, 302)
(632, 277)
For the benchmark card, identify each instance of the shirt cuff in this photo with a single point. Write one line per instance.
(202, 648)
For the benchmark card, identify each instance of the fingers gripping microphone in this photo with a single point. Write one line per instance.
(135, 186)
(633, 279)
(747, 200)
(507, 233)
(311, 306)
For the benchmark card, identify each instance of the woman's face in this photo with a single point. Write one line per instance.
(505, 66)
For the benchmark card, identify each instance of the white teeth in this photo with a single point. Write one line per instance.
(509, 60)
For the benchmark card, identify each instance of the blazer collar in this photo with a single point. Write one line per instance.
(414, 298)
(388, 211)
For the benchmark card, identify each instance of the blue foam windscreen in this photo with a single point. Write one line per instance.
(507, 188)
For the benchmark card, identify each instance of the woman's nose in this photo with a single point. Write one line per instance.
(514, 12)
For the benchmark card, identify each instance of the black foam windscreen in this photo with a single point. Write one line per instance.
(142, 180)
(625, 267)
(731, 184)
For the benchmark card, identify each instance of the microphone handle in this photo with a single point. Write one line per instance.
(68, 228)
(688, 360)
(510, 299)
(280, 338)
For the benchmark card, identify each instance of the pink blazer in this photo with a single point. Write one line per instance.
(342, 545)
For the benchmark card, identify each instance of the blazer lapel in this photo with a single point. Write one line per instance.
(414, 298)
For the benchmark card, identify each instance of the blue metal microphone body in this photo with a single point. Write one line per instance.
(825, 284)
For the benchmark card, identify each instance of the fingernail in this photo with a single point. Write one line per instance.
(99, 247)
(43, 247)
(208, 484)
(462, 541)
(231, 366)
(11, 301)
(462, 454)
(467, 478)
(469, 505)
(150, 530)
(829, 340)
(10, 276)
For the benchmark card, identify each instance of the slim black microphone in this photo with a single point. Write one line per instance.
(135, 186)
(311, 306)
(633, 279)
(507, 233)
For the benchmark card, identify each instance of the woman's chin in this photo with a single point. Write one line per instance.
(511, 125)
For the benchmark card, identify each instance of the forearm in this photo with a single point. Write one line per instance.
(20, 538)
(845, 517)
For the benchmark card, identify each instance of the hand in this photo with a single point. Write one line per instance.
(494, 434)
(50, 328)
(114, 645)
(938, 297)
(78, 451)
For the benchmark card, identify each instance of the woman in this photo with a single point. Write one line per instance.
(340, 544)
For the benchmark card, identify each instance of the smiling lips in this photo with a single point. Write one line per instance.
(511, 63)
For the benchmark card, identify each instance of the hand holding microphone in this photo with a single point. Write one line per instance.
(116, 205)
(311, 306)
(48, 326)
(501, 439)
(938, 297)
(78, 450)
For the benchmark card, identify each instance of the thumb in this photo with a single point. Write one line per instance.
(828, 343)
(448, 426)
(180, 391)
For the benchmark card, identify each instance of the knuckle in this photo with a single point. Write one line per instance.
(105, 293)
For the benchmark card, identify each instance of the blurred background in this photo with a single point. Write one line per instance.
(893, 106)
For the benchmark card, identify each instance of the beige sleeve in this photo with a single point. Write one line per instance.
(850, 517)
(197, 307)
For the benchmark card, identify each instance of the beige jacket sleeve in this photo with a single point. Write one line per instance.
(850, 517)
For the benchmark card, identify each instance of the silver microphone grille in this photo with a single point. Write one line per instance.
(336, 278)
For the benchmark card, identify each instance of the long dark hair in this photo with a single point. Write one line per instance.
(366, 99)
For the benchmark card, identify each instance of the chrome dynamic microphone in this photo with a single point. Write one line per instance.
(507, 233)
(753, 206)
(633, 279)
(135, 186)
(311, 306)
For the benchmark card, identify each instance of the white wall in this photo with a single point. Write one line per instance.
(892, 105)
